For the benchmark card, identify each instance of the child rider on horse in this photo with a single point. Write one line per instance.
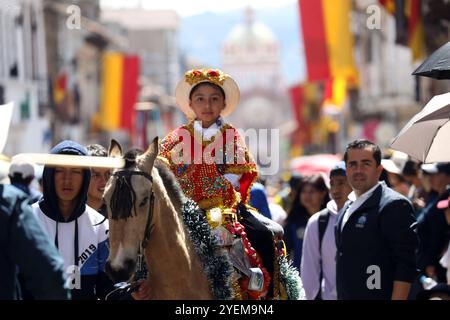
(215, 169)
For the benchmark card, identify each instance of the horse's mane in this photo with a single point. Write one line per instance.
(170, 184)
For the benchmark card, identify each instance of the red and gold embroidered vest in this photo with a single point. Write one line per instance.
(200, 166)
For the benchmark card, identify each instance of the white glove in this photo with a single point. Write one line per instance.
(233, 178)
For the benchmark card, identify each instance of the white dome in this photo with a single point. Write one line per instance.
(255, 33)
(250, 33)
(250, 53)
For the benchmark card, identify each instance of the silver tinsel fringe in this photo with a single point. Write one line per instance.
(217, 266)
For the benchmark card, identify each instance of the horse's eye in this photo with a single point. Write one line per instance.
(143, 202)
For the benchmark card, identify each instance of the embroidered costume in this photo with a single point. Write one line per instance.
(205, 182)
(216, 170)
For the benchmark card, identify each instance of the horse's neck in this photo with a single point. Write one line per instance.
(175, 270)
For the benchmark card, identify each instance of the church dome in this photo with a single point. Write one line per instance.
(251, 54)
(250, 33)
(256, 33)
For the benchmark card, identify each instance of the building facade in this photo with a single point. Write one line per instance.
(153, 36)
(251, 55)
(387, 96)
(23, 75)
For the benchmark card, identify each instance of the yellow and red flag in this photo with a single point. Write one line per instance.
(335, 93)
(409, 25)
(328, 40)
(60, 88)
(389, 5)
(119, 91)
(416, 36)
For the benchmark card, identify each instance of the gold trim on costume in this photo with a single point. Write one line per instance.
(228, 215)
(237, 290)
(241, 168)
(208, 203)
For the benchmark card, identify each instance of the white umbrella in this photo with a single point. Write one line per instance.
(6, 111)
(426, 137)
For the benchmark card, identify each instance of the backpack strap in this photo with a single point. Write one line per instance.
(324, 216)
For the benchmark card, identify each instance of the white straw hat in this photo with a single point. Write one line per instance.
(193, 77)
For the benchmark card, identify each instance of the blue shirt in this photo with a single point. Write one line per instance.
(258, 199)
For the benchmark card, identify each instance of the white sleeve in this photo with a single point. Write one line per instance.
(445, 260)
(233, 178)
(310, 265)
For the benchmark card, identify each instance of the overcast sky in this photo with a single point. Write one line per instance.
(192, 7)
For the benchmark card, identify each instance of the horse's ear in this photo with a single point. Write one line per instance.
(115, 150)
(150, 154)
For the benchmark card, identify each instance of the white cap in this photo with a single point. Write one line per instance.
(396, 163)
(23, 165)
(430, 168)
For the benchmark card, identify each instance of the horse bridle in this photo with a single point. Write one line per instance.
(148, 225)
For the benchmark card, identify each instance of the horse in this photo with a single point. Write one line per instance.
(144, 204)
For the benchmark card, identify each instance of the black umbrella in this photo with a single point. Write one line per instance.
(437, 65)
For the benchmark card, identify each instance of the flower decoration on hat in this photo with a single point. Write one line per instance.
(211, 75)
